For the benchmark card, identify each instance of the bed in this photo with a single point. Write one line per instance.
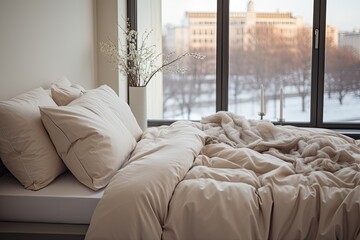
(225, 177)
(64, 201)
(61, 210)
(232, 178)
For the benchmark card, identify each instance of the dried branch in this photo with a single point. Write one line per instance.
(138, 61)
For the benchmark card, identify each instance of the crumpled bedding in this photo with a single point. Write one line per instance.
(231, 178)
(308, 149)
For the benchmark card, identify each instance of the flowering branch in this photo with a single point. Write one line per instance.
(139, 62)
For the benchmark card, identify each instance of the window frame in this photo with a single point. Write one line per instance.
(353, 127)
(222, 67)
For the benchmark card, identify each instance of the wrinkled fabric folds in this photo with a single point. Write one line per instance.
(231, 178)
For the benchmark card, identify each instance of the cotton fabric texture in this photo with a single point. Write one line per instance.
(90, 138)
(120, 108)
(25, 147)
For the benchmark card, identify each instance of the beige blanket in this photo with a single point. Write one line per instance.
(230, 178)
(307, 149)
(135, 203)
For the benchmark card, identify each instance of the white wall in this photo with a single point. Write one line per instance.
(42, 40)
(110, 14)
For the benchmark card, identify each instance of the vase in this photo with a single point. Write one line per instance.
(137, 102)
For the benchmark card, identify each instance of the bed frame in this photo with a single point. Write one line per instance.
(40, 231)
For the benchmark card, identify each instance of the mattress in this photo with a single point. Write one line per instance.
(64, 201)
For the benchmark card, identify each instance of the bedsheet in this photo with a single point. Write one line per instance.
(232, 178)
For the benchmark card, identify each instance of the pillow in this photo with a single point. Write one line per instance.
(63, 91)
(92, 141)
(64, 95)
(120, 108)
(62, 82)
(25, 147)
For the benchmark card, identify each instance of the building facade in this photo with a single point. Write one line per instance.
(350, 39)
(199, 30)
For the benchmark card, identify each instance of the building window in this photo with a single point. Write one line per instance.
(288, 46)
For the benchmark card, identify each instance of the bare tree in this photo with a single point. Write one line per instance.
(193, 87)
(355, 70)
(240, 78)
(339, 62)
(182, 91)
(270, 58)
(302, 54)
(171, 85)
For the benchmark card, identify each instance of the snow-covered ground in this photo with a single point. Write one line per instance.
(348, 112)
(333, 111)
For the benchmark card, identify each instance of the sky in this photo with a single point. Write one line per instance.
(344, 14)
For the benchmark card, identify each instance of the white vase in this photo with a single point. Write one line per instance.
(137, 102)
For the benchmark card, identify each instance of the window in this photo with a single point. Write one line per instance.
(342, 63)
(278, 45)
(270, 56)
(193, 94)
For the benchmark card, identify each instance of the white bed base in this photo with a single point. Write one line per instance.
(20, 229)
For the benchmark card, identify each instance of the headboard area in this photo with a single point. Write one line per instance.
(39, 45)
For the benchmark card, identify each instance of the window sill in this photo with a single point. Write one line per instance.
(355, 134)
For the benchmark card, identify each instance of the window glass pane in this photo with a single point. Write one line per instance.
(149, 35)
(270, 45)
(342, 62)
(189, 26)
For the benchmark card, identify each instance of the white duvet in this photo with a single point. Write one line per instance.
(230, 178)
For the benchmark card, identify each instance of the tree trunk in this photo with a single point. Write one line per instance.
(341, 97)
(303, 103)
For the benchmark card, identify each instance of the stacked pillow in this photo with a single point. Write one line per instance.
(25, 147)
(90, 137)
(63, 91)
(93, 132)
(120, 108)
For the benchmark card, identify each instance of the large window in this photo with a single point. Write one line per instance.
(342, 62)
(270, 44)
(190, 26)
(308, 50)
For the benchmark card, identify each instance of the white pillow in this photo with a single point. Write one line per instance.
(63, 91)
(64, 95)
(92, 141)
(120, 108)
(25, 147)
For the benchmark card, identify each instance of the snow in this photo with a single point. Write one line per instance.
(349, 112)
